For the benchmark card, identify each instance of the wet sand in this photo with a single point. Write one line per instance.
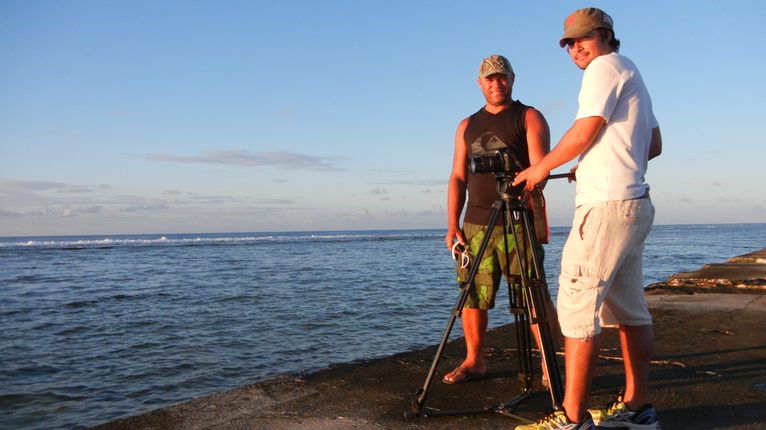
(709, 372)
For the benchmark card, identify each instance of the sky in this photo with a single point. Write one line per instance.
(161, 117)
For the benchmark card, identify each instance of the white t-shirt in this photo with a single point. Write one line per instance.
(613, 167)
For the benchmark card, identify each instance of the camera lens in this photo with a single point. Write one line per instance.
(486, 164)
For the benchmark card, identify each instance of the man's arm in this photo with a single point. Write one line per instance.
(538, 137)
(655, 149)
(457, 187)
(575, 141)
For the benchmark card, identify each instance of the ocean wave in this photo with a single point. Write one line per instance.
(108, 242)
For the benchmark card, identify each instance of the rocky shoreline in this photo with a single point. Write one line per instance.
(745, 274)
(709, 372)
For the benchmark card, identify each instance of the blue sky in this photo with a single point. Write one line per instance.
(191, 117)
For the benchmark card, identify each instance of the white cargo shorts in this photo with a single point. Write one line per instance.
(601, 282)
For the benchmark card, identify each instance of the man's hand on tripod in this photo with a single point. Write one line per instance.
(573, 173)
(532, 176)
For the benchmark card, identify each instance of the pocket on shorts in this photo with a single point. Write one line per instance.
(590, 226)
(638, 210)
(578, 299)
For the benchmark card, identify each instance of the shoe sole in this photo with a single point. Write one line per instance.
(626, 426)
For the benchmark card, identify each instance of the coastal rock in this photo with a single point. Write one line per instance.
(742, 274)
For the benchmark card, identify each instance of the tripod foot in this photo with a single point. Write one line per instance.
(417, 409)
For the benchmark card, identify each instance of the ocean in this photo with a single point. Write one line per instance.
(94, 328)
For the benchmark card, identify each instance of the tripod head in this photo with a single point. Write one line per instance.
(505, 186)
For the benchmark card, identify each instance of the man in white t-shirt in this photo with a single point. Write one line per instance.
(615, 134)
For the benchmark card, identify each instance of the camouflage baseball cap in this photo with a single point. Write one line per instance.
(583, 21)
(495, 64)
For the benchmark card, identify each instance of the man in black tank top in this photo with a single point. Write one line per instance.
(501, 122)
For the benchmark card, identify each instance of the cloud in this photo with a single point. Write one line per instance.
(378, 191)
(436, 210)
(400, 213)
(29, 186)
(144, 208)
(68, 212)
(73, 189)
(240, 157)
(287, 112)
(275, 202)
(9, 214)
(362, 215)
(92, 209)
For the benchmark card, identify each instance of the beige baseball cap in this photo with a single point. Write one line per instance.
(583, 21)
(495, 64)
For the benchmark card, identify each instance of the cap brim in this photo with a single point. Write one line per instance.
(574, 33)
(494, 72)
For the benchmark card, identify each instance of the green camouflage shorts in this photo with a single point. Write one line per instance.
(485, 284)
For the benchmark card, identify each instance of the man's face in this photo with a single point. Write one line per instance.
(585, 49)
(496, 88)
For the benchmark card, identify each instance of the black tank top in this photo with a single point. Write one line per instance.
(484, 134)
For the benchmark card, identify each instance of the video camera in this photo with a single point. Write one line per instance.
(502, 161)
(504, 164)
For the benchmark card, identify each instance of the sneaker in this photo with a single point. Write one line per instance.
(617, 415)
(558, 421)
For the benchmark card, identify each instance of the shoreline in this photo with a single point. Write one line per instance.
(709, 372)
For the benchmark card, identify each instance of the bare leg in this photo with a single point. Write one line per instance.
(581, 356)
(637, 348)
(474, 327)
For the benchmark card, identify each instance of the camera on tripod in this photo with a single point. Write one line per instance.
(526, 293)
(502, 161)
(504, 164)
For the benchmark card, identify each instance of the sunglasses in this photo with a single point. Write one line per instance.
(460, 254)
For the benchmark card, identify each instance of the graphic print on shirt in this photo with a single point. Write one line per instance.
(486, 144)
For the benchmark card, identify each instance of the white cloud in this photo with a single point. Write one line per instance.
(436, 210)
(363, 215)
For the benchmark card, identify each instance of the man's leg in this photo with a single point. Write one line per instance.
(637, 348)
(474, 328)
(581, 356)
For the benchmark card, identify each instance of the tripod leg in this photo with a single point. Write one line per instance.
(417, 404)
(520, 314)
(538, 313)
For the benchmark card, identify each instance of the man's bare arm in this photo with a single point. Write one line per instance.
(575, 141)
(457, 187)
(538, 137)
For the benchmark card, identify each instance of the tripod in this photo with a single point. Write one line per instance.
(527, 304)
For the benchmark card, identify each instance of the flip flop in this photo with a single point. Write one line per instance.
(468, 376)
